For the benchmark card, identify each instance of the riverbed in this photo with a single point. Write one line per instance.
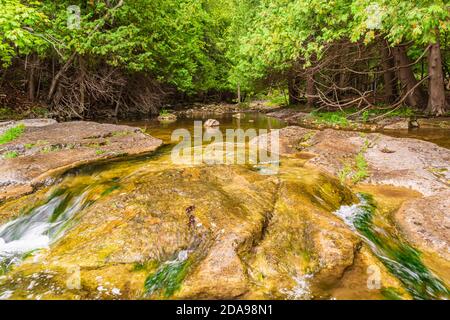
(144, 227)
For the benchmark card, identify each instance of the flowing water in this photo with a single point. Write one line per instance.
(43, 222)
(401, 259)
(46, 222)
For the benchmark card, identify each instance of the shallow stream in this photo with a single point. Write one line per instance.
(43, 225)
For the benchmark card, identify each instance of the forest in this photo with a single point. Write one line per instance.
(225, 150)
(90, 59)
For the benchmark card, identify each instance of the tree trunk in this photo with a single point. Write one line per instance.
(58, 76)
(293, 90)
(343, 74)
(34, 60)
(310, 90)
(417, 97)
(239, 93)
(436, 87)
(82, 84)
(390, 81)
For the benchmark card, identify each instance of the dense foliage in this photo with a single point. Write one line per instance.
(80, 56)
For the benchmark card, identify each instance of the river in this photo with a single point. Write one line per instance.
(101, 219)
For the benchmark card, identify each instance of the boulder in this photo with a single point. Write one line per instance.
(403, 124)
(211, 123)
(167, 118)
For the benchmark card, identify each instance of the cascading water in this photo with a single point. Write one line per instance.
(45, 223)
(39, 228)
(401, 260)
(58, 210)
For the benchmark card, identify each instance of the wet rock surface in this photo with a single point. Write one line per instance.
(425, 222)
(415, 164)
(218, 232)
(45, 150)
(305, 119)
(305, 246)
(150, 229)
(442, 123)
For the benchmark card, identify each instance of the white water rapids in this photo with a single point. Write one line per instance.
(35, 230)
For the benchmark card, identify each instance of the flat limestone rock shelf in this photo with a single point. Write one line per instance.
(414, 164)
(147, 228)
(435, 130)
(426, 224)
(136, 231)
(45, 150)
(402, 162)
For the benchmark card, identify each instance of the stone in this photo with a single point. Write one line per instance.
(167, 118)
(416, 164)
(211, 123)
(434, 123)
(46, 151)
(425, 222)
(229, 224)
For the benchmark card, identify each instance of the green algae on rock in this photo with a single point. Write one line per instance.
(146, 228)
(200, 240)
(400, 258)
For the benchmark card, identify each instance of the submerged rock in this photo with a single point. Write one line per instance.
(167, 118)
(43, 151)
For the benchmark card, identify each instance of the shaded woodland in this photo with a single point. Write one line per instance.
(92, 59)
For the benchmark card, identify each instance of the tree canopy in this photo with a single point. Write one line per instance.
(195, 47)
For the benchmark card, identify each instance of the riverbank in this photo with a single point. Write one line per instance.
(339, 120)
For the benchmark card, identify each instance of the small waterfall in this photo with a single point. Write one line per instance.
(402, 260)
(43, 225)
